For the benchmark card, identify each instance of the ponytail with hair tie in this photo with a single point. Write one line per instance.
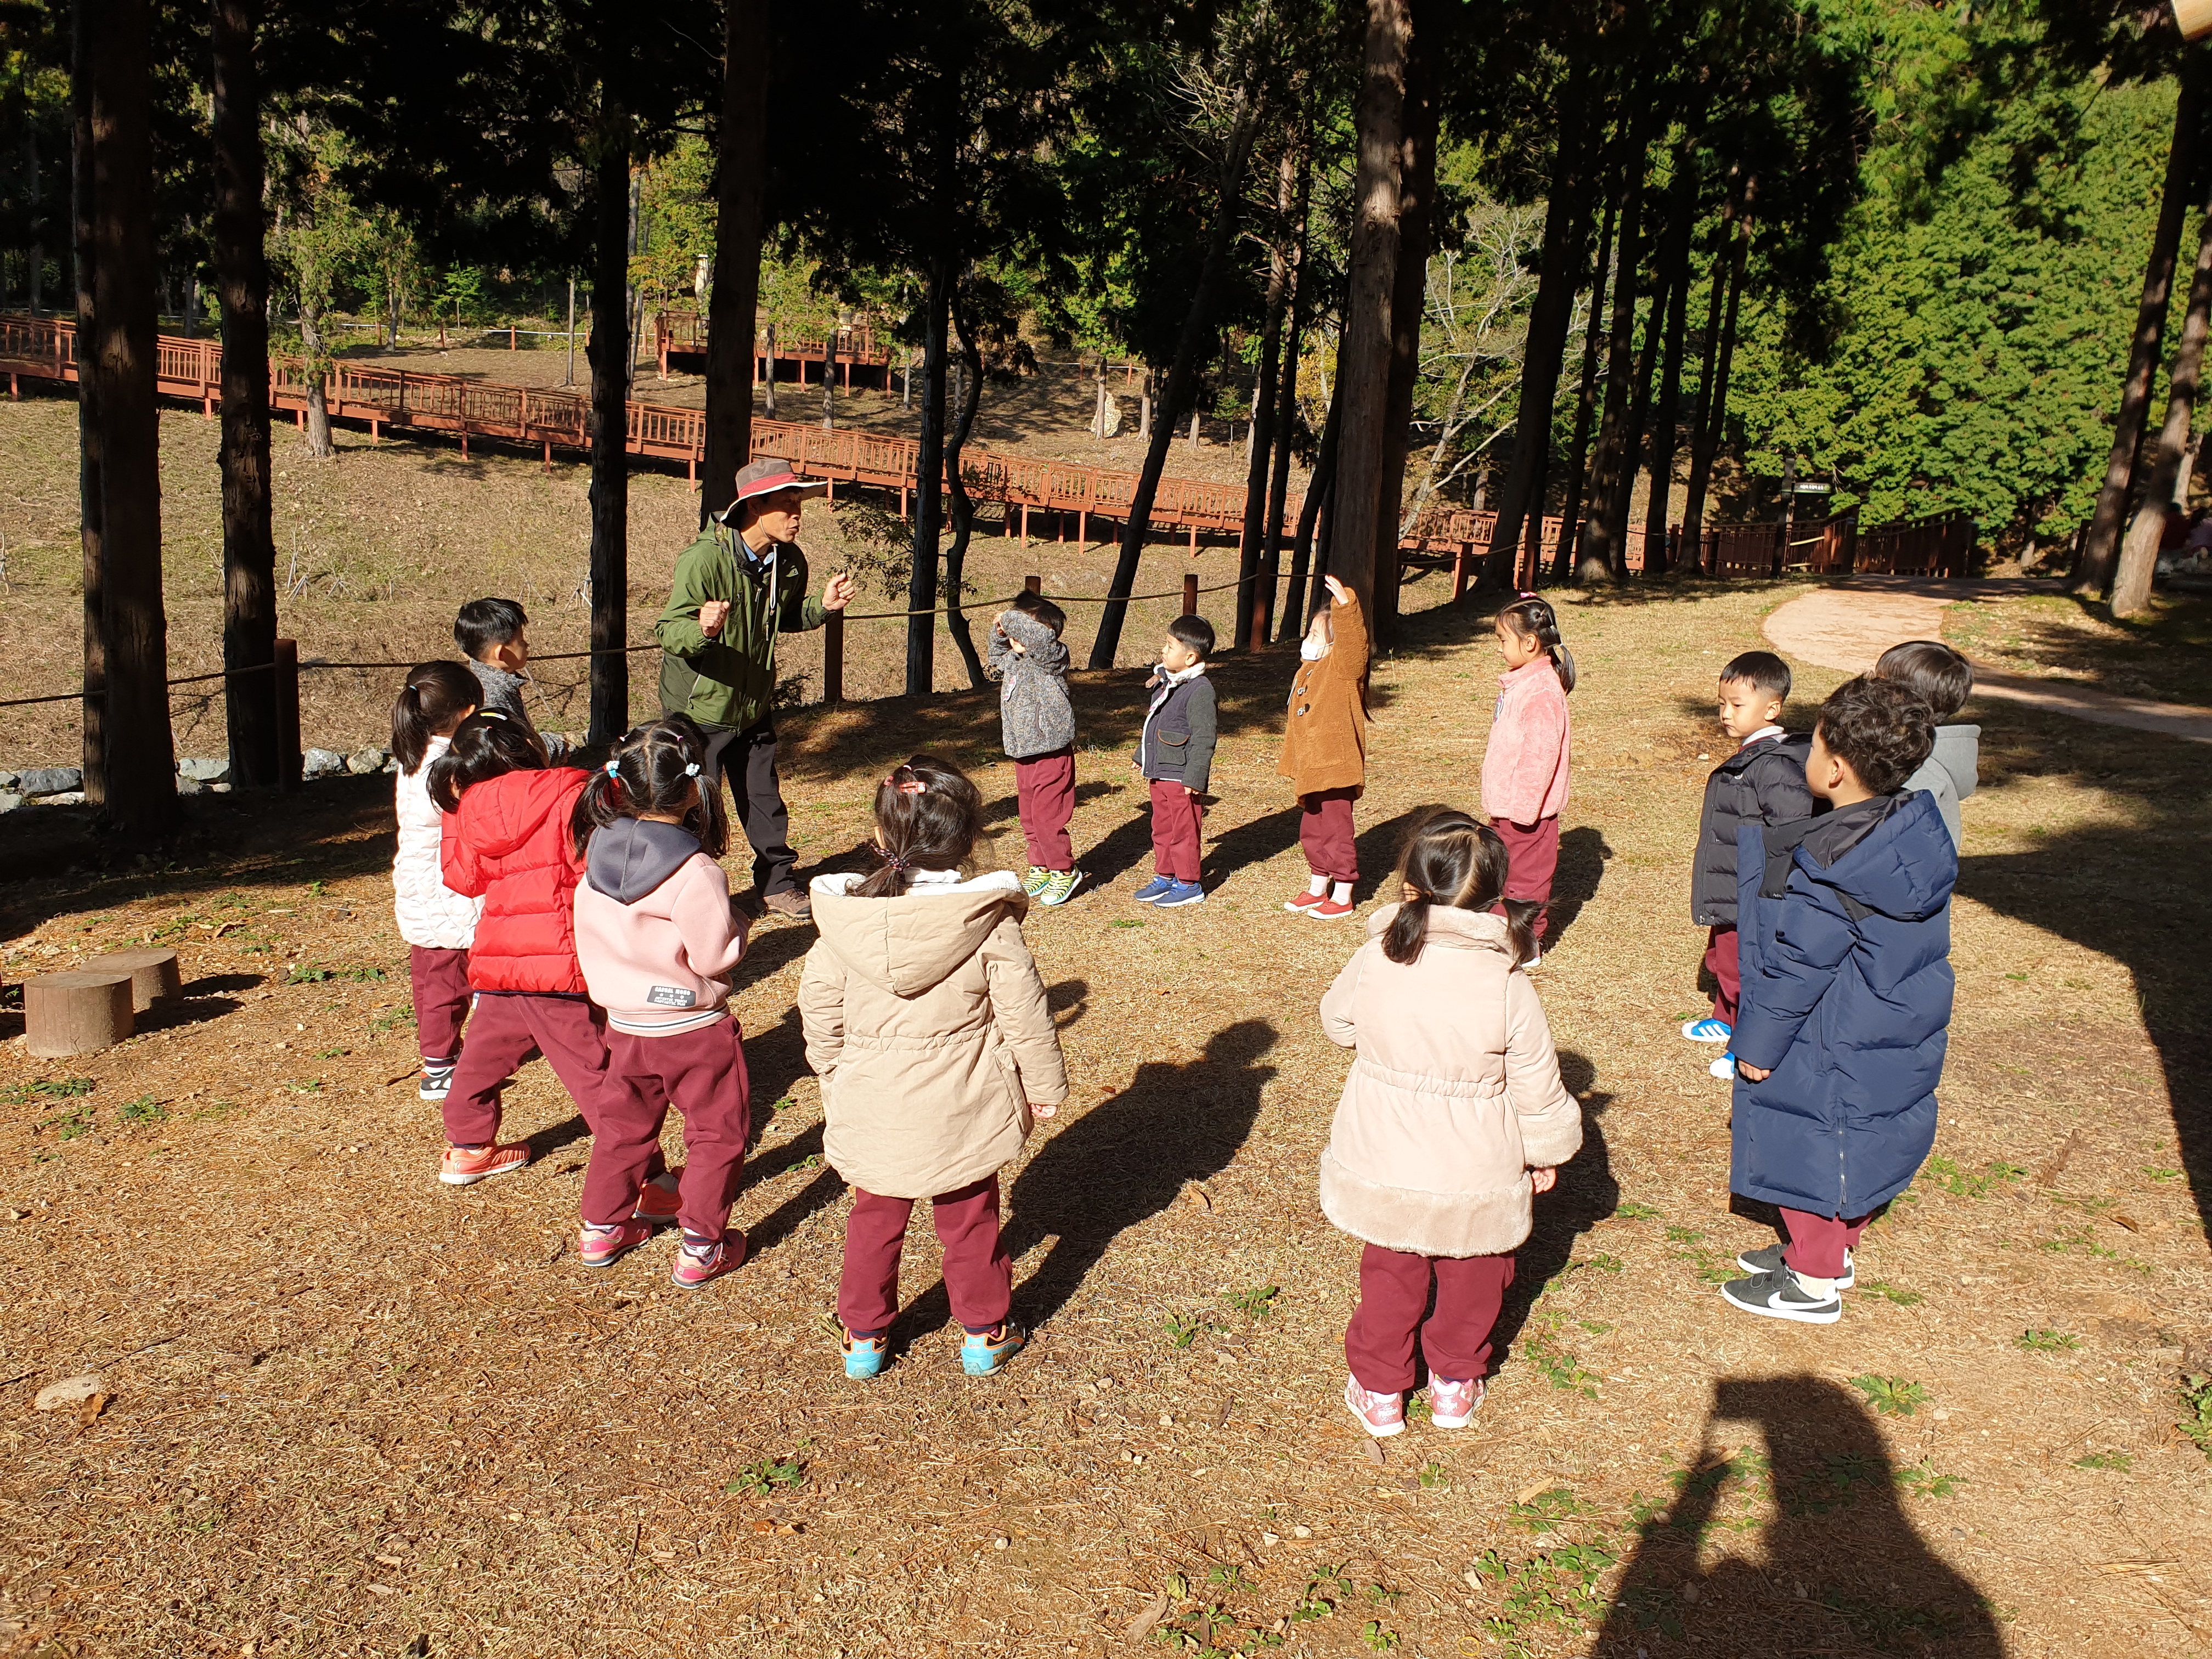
(654, 769)
(1532, 616)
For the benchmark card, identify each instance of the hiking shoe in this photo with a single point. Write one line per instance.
(1381, 1414)
(1305, 902)
(1723, 1069)
(1708, 1030)
(437, 1080)
(465, 1166)
(1060, 886)
(865, 1356)
(1769, 1261)
(1329, 909)
(794, 905)
(698, 1261)
(602, 1247)
(1033, 884)
(1153, 889)
(1179, 893)
(1778, 1295)
(985, 1353)
(657, 1204)
(1453, 1405)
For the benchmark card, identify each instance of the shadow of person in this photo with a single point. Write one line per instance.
(1583, 853)
(1586, 1194)
(1842, 1567)
(1378, 846)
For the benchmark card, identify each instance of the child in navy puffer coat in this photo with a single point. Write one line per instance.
(1844, 924)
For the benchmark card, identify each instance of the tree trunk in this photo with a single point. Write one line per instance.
(2100, 548)
(2139, 557)
(1286, 413)
(1409, 300)
(740, 192)
(1363, 375)
(1191, 351)
(963, 510)
(35, 274)
(318, 427)
(929, 483)
(611, 351)
(1250, 630)
(829, 343)
(1559, 275)
(1723, 278)
(1145, 404)
(249, 548)
(87, 16)
(1666, 421)
(1599, 552)
(1318, 488)
(142, 761)
(1717, 417)
(1585, 401)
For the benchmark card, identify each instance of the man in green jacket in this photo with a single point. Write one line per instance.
(742, 583)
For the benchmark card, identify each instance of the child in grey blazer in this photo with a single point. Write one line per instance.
(1029, 661)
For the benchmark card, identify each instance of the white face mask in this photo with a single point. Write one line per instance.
(1313, 649)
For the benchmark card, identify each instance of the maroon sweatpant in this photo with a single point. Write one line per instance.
(509, 1030)
(1817, 1242)
(440, 979)
(1325, 833)
(1176, 818)
(1720, 961)
(1533, 850)
(979, 1279)
(1044, 785)
(701, 1074)
(1394, 1290)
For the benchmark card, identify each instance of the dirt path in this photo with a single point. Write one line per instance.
(1849, 625)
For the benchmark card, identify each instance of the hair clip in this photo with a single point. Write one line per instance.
(691, 771)
(893, 861)
(917, 787)
(612, 768)
(489, 715)
(1526, 594)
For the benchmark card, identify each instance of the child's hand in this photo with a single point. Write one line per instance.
(1154, 680)
(1542, 1181)
(1017, 648)
(1187, 790)
(1752, 1073)
(1342, 595)
(1038, 1109)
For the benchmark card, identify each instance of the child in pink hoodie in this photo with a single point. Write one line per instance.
(1524, 769)
(656, 939)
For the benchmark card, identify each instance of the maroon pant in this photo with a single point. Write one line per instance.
(1817, 1242)
(979, 1279)
(440, 979)
(701, 1074)
(1533, 850)
(1394, 1291)
(1325, 832)
(1045, 787)
(1727, 972)
(1176, 818)
(509, 1030)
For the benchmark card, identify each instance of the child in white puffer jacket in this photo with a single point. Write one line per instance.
(438, 924)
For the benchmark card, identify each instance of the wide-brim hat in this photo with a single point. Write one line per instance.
(771, 475)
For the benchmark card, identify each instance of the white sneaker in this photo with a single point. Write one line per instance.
(1723, 1069)
(437, 1082)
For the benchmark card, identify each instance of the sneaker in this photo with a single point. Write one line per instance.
(1179, 893)
(465, 1166)
(1033, 884)
(1153, 889)
(1769, 1261)
(1453, 1405)
(1060, 886)
(437, 1081)
(699, 1261)
(1708, 1030)
(1329, 909)
(657, 1206)
(602, 1247)
(1723, 1069)
(865, 1356)
(1305, 902)
(1381, 1414)
(1778, 1295)
(985, 1355)
(1533, 964)
(793, 905)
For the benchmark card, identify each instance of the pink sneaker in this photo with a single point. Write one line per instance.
(699, 1264)
(602, 1247)
(1381, 1414)
(656, 1203)
(464, 1166)
(1453, 1405)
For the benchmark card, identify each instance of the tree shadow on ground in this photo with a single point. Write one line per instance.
(1586, 1194)
(1839, 1567)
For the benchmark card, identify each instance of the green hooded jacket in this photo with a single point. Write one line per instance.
(729, 682)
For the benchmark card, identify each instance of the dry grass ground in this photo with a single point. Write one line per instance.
(352, 1412)
(2165, 656)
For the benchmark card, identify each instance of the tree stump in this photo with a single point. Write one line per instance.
(75, 1013)
(153, 974)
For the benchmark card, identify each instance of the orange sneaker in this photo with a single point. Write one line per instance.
(657, 1204)
(464, 1166)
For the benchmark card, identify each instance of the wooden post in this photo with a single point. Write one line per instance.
(549, 455)
(1034, 583)
(1025, 524)
(1459, 571)
(902, 501)
(510, 337)
(1190, 593)
(75, 1013)
(153, 973)
(833, 657)
(287, 715)
(1194, 539)
(1083, 526)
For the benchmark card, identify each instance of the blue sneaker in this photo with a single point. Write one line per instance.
(1180, 892)
(985, 1355)
(865, 1356)
(1708, 1030)
(1723, 1069)
(1156, 888)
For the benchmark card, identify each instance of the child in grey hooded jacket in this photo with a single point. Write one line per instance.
(1029, 661)
(1942, 680)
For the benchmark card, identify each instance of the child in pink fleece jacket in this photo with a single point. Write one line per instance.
(657, 938)
(1524, 769)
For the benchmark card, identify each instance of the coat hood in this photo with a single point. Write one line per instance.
(909, 944)
(1905, 868)
(631, 857)
(1958, 751)
(499, 814)
(1465, 929)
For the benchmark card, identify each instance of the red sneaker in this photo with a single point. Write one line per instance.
(1329, 909)
(602, 1247)
(657, 1204)
(464, 1166)
(1305, 902)
(698, 1264)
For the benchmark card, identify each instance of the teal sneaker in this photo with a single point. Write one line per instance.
(1058, 887)
(865, 1356)
(1034, 883)
(987, 1355)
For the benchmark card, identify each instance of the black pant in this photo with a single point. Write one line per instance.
(747, 758)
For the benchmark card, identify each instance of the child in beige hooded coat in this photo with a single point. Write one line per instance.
(927, 1023)
(1453, 1117)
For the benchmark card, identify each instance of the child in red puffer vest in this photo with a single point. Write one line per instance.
(505, 838)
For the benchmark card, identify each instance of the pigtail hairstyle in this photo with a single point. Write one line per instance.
(655, 769)
(928, 817)
(1532, 618)
(486, 745)
(1452, 860)
(434, 695)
